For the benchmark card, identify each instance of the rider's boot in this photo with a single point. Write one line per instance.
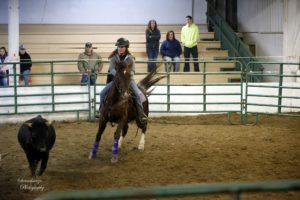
(141, 115)
(98, 113)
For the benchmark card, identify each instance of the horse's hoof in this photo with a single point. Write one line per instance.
(141, 149)
(91, 155)
(114, 159)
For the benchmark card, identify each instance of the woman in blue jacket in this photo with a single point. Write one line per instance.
(171, 50)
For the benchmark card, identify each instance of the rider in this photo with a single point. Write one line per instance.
(121, 53)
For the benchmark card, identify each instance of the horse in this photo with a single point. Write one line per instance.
(119, 107)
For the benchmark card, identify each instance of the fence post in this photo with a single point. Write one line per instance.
(168, 86)
(280, 88)
(204, 86)
(52, 86)
(15, 88)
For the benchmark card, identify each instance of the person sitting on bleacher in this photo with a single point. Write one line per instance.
(3, 68)
(171, 50)
(92, 63)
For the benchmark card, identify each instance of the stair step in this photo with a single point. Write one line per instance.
(234, 80)
(226, 69)
(212, 48)
(207, 39)
(220, 58)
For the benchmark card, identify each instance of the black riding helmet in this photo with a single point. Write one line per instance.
(122, 42)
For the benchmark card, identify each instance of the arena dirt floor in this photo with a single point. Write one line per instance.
(179, 150)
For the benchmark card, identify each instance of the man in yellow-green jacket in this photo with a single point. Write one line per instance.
(189, 39)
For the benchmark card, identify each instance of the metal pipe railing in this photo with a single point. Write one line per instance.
(233, 189)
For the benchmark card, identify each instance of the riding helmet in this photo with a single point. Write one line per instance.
(122, 42)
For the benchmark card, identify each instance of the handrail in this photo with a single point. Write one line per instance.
(234, 189)
(229, 40)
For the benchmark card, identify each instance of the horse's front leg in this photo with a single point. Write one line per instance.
(124, 132)
(115, 147)
(141, 146)
(93, 152)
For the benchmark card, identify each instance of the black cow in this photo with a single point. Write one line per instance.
(37, 137)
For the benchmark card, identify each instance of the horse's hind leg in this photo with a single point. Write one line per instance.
(93, 152)
(124, 132)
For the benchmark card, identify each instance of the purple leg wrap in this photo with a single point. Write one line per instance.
(95, 148)
(115, 147)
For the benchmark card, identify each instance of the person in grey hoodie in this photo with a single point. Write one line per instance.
(121, 53)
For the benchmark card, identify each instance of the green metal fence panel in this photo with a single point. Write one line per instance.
(202, 83)
(52, 94)
(279, 90)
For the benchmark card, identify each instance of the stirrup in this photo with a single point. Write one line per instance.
(143, 119)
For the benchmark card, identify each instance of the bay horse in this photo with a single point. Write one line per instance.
(119, 107)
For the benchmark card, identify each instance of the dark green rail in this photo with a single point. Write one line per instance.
(233, 189)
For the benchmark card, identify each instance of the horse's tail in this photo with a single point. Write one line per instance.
(151, 79)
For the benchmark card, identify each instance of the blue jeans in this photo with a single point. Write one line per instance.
(25, 77)
(84, 79)
(3, 79)
(176, 65)
(134, 88)
(152, 54)
(194, 52)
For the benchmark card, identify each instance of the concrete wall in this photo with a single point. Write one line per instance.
(106, 12)
(273, 26)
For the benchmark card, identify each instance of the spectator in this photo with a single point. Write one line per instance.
(3, 68)
(92, 63)
(152, 43)
(25, 64)
(189, 39)
(121, 53)
(171, 50)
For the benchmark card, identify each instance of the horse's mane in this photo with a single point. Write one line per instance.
(151, 79)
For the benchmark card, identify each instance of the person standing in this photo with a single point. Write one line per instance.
(171, 50)
(92, 63)
(189, 39)
(3, 68)
(152, 43)
(25, 64)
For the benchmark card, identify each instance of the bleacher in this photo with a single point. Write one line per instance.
(65, 42)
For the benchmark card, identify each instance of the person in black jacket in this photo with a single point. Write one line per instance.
(152, 43)
(25, 64)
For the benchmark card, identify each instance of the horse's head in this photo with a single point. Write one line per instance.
(123, 67)
(122, 77)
